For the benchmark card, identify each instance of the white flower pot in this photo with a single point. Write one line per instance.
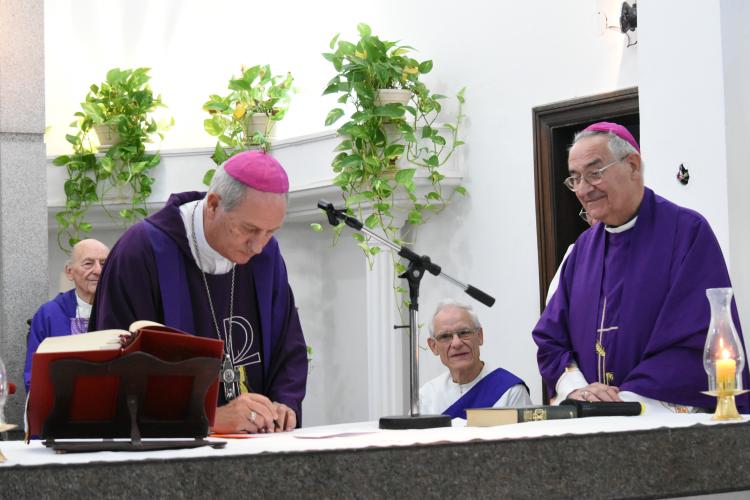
(120, 193)
(107, 134)
(259, 122)
(389, 96)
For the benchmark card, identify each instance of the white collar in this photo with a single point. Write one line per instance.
(621, 229)
(467, 384)
(211, 261)
(83, 309)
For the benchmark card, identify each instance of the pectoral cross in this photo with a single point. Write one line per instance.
(603, 376)
(230, 376)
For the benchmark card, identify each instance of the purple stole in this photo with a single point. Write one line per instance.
(485, 393)
(173, 285)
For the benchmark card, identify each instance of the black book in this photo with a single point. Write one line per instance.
(486, 417)
(570, 408)
(605, 409)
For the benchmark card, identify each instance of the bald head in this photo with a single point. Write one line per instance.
(85, 266)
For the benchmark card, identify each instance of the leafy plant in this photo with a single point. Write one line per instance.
(384, 145)
(309, 358)
(255, 92)
(123, 105)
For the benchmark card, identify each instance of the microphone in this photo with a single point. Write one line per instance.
(335, 216)
(479, 295)
(606, 408)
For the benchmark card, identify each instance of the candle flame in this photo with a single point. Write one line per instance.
(725, 354)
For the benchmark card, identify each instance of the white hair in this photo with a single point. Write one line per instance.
(618, 146)
(445, 303)
(231, 191)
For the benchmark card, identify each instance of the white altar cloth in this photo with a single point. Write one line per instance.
(359, 436)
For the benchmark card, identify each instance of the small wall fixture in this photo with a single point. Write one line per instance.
(683, 175)
(629, 20)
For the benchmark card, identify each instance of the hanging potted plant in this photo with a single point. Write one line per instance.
(245, 118)
(120, 111)
(391, 134)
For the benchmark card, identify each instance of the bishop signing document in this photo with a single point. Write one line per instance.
(208, 264)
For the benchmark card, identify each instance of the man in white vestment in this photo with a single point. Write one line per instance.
(455, 336)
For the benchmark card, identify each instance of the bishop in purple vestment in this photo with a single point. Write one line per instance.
(208, 264)
(630, 313)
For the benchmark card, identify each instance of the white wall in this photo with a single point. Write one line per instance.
(331, 311)
(682, 109)
(510, 55)
(694, 110)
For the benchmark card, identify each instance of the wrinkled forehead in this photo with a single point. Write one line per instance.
(589, 153)
(259, 209)
(452, 318)
(89, 253)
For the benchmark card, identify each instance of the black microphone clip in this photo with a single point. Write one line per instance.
(331, 212)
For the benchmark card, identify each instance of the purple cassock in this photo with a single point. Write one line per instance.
(150, 274)
(631, 308)
(53, 319)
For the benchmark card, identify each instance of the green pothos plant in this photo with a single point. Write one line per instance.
(122, 108)
(244, 118)
(386, 145)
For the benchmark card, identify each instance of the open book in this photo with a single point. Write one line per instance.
(92, 392)
(102, 340)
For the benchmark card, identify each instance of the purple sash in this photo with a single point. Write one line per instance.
(79, 325)
(485, 393)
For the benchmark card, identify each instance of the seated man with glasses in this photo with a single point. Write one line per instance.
(455, 336)
(629, 318)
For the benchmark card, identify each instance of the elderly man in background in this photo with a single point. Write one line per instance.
(208, 264)
(455, 336)
(68, 313)
(630, 315)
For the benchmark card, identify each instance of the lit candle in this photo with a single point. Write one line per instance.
(726, 368)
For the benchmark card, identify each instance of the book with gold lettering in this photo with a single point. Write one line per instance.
(570, 408)
(487, 417)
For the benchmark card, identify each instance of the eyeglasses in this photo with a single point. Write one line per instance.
(584, 215)
(593, 178)
(465, 334)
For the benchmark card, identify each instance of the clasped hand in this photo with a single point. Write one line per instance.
(254, 413)
(596, 392)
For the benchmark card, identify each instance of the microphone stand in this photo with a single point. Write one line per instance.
(418, 264)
